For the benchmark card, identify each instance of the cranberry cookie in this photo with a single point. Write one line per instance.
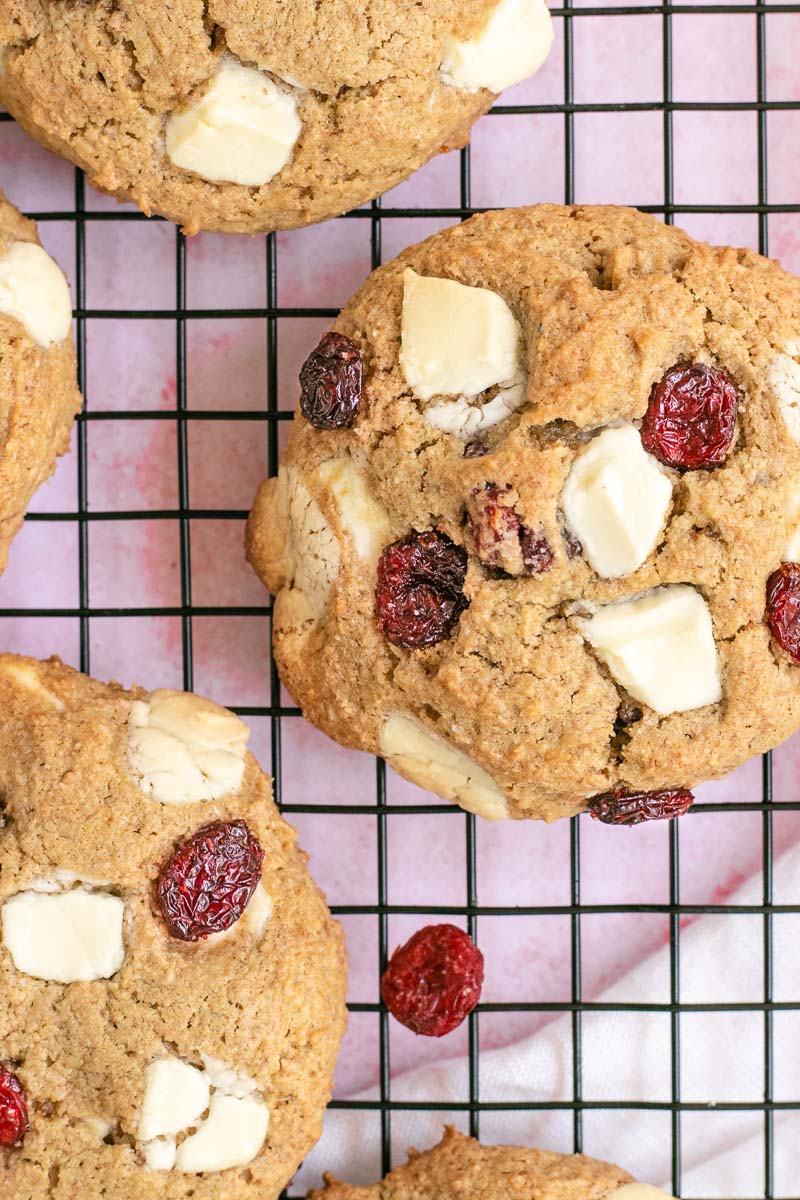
(38, 393)
(173, 984)
(460, 1165)
(527, 534)
(248, 115)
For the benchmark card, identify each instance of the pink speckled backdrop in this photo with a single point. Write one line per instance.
(132, 468)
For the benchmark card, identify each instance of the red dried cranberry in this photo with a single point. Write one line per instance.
(621, 807)
(571, 544)
(783, 608)
(331, 383)
(475, 449)
(206, 885)
(691, 417)
(536, 553)
(13, 1109)
(501, 540)
(434, 981)
(419, 594)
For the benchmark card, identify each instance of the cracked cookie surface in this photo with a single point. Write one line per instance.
(461, 1166)
(244, 117)
(153, 1068)
(39, 397)
(547, 691)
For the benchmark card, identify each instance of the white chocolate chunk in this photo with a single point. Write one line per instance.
(511, 47)
(242, 129)
(660, 647)
(231, 1136)
(638, 1191)
(615, 501)
(34, 291)
(791, 550)
(176, 1095)
(432, 763)
(25, 675)
(464, 420)
(64, 936)
(225, 1078)
(309, 550)
(455, 340)
(159, 1155)
(183, 748)
(784, 376)
(98, 1125)
(364, 518)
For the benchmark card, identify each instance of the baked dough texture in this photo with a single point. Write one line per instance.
(98, 82)
(39, 397)
(524, 710)
(460, 1166)
(257, 1013)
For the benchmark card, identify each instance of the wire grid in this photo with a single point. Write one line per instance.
(277, 712)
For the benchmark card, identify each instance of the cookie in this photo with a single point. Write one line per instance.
(250, 116)
(173, 984)
(543, 476)
(38, 394)
(462, 1166)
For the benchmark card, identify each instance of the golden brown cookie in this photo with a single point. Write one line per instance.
(38, 393)
(172, 1003)
(460, 1166)
(527, 562)
(248, 116)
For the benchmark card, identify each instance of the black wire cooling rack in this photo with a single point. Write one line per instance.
(267, 423)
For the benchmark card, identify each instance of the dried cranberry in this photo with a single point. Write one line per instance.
(502, 541)
(691, 417)
(434, 981)
(621, 807)
(475, 449)
(571, 544)
(13, 1109)
(419, 594)
(206, 885)
(331, 383)
(783, 608)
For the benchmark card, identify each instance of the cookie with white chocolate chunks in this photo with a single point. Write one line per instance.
(39, 397)
(252, 115)
(526, 533)
(173, 983)
(463, 1166)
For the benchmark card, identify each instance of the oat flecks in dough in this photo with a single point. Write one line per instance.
(431, 763)
(184, 748)
(660, 647)
(242, 129)
(64, 936)
(455, 340)
(34, 291)
(513, 45)
(615, 502)
(28, 678)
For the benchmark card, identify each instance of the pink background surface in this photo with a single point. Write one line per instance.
(516, 158)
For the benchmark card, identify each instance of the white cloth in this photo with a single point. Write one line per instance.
(627, 1056)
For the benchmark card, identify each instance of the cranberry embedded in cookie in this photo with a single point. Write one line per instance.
(433, 982)
(691, 417)
(206, 885)
(330, 383)
(13, 1109)
(502, 540)
(783, 608)
(420, 590)
(621, 807)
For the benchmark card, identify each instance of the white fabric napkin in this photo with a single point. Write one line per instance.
(627, 1057)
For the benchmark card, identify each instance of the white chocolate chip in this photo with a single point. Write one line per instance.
(64, 936)
(364, 518)
(511, 47)
(231, 1136)
(34, 291)
(159, 1155)
(183, 748)
(225, 1078)
(25, 675)
(242, 129)
(615, 501)
(176, 1096)
(465, 419)
(638, 1191)
(784, 376)
(432, 763)
(660, 647)
(98, 1125)
(456, 340)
